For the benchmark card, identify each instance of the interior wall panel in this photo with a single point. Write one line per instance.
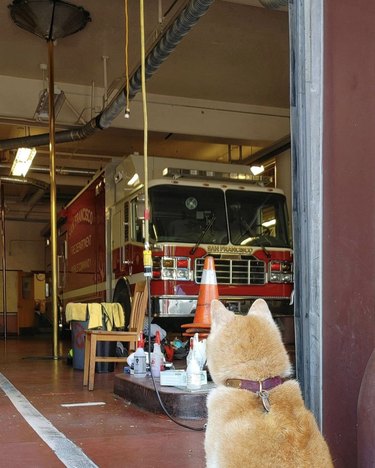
(349, 217)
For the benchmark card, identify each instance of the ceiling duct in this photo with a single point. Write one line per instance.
(274, 4)
(24, 181)
(66, 171)
(189, 16)
(41, 187)
(270, 4)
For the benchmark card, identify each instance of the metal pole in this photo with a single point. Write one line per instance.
(4, 260)
(51, 109)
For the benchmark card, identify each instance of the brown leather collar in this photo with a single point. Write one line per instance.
(253, 385)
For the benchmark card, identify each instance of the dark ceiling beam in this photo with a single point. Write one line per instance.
(269, 152)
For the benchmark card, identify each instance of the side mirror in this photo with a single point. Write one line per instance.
(140, 208)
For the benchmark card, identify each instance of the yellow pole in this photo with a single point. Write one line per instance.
(145, 123)
(51, 109)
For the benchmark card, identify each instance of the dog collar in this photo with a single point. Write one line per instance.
(254, 385)
(258, 387)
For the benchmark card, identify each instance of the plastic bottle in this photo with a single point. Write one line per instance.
(157, 357)
(190, 354)
(140, 358)
(193, 374)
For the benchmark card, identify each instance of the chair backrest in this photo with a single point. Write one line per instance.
(139, 307)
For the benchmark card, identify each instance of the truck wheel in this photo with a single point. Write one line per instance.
(122, 294)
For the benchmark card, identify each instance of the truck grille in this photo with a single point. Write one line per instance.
(239, 271)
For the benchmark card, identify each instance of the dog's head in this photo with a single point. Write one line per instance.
(245, 347)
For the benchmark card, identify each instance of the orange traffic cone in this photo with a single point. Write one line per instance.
(207, 292)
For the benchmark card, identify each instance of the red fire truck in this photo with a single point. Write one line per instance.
(196, 209)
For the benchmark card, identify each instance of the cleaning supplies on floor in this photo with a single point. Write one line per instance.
(193, 375)
(140, 358)
(199, 348)
(193, 370)
(157, 358)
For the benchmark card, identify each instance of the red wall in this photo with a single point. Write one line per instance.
(349, 217)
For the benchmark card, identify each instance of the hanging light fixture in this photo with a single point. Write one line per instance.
(41, 112)
(22, 161)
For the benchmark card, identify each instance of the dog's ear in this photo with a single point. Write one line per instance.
(260, 308)
(219, 315)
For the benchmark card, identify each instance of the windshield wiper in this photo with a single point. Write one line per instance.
(266, 253)
(209, 224)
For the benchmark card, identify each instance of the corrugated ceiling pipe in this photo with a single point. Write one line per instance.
(25, 181)
(70, 171)
(174, 34)
(41, 186)
(33, 201)
(38, 195)
(274, 4)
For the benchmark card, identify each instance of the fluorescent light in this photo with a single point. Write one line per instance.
(256, 170)
(22, 161)
(134, 179)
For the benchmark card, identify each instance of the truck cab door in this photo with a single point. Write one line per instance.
(121, 246)
(61, 261)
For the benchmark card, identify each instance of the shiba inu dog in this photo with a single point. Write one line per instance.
(256, 415)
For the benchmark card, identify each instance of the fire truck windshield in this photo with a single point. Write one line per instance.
(257, 218)
(182, 213)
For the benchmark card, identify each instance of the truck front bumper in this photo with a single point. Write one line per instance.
(184, 306)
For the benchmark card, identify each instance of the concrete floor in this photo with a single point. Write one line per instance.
(115, 433)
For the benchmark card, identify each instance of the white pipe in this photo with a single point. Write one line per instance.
(105, 96)
(160, 11)
(92, 101)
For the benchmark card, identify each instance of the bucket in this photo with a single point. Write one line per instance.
(103, 348)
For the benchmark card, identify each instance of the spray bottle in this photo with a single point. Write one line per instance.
(157, 357)
(193, 371)
(140, 358)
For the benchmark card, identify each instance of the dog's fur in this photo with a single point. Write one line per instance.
(240, 433)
